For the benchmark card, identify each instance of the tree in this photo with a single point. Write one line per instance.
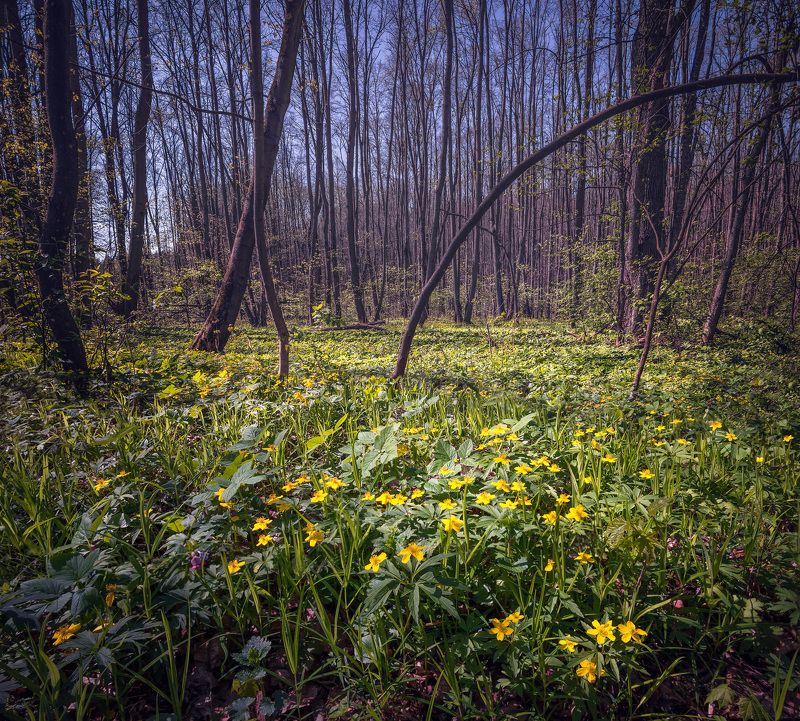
(216, 330)
(259, 185)
(63, 194)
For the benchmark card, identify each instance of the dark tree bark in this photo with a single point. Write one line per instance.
(218, 325)
(63, 194)
(259, 185)
(133, 277)
(652, 54)
(352, 129)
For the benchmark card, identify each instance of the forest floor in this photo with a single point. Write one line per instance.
(501, 535)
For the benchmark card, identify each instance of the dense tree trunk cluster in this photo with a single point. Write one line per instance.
(413, 157)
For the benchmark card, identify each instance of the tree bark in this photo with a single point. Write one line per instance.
(133, 277)
(63, 194)
(259, 185)
(216, 330)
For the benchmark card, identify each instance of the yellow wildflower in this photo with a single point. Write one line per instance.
(65, 633)
(602, 632)
(319, 496)
(417, 493)
(100, 484)
(567, 644)
(452, 523)
(412, 549)
(563, 499)
(523, 469)
(235, 566)
(500, 629)
(447, 504)
(261, 524)
(646, 474)
(583, 557)
(609, 458)
(587, 670)
(502, 459)
(577, 514)
(715, 425)
(548, 566)
(550, 517)
(264, 539)
(629, 632)
(375, 562)
(314, 536)
(484, 498)
(509, 504)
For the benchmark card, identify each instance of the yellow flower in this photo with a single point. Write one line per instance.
(788, 439)
(263, 539)
(101, 484)
(500, 629)
(412, 549)
(235, 566)
(514, 617)
(646, 474)
(683, 442)
(602, 632)
(715, 425)
(398, 499)
(455, 484)
(548, 566)
(658, 444)
(759, 459)
(368, 496)
(563, 499)
(452, 523)
(484, 498)
(319, 496)
(64, 633)
(447, 504)
(587, 670)
(609, 458)
(730, 436)
(384, 498)
(503, 459)
(550, 517)
(289, 486)
(417, 493)
(509, 504)
(502, 485)
(577, 514)
(629, 632)
(523, 469)
(313, 536)
(567, 644)
(554, 468)
(676, 421)
(518, 486)
(334, 483)
(446, 471)
(261, 524)
(122, 474)
(583, 557)
(375, 562)
(273, 498)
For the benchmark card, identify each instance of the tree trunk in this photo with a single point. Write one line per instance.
(216, 330)
(259, 184)
(133, 277)
(63, 194)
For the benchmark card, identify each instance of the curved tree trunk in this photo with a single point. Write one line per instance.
(220, 321)
(259, 185)
(512, 175)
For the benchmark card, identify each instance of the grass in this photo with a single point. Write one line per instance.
(195, 535)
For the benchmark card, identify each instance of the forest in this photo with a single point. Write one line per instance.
(401, 359)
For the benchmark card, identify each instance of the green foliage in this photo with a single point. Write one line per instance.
(338, 544)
